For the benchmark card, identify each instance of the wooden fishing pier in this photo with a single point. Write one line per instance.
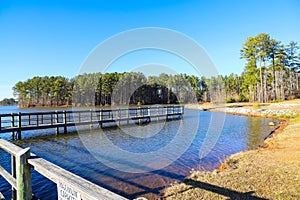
(26, 121)
(69, 185)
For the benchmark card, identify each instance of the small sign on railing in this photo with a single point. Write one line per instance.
(67, 193)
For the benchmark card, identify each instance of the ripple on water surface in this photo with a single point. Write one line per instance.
(70, 152)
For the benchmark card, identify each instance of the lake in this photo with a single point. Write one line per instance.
(191, 143)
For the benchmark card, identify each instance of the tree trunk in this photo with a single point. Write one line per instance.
(274, 79)
(261, 83)
(265, 87)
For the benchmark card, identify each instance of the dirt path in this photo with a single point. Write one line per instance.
(272, 172)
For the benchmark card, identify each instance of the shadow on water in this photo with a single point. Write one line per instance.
(115, 178)
(151, 192)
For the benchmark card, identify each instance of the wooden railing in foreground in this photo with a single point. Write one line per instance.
(20, 177)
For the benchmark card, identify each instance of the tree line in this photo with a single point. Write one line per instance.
(96, 89)
(8, 102)
(270, 74)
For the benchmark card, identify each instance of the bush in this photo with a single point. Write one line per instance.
(256, 106)
(230, 100)
(276, 101)
(242, 98)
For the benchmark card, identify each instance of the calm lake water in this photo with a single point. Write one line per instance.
(69, 151)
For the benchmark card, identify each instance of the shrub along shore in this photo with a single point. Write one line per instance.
(270, 172)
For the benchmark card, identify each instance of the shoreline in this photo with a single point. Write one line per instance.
(229, 179)
(280, 126)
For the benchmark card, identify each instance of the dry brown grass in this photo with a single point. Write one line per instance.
(272, 172)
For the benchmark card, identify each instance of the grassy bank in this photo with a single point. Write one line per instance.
(272, 172)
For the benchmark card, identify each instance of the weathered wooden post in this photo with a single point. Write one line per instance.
(57, 121)
(37, 120)
(23, 175)
(127, 115)
(13, 173)
(119, 116)
(101, 118)
(91, 118)
(65, 121)
(173, 116)
(167, 112)
(12, 125)
(140, 114)
(42, 119)
(29, 123)
(157, 113)
(19, 126)
(51, 119)
(149, 113)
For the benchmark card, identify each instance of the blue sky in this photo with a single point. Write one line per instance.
(51, 37)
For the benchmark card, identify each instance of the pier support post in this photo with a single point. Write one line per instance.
(149, 114)
(13, 173)
(19, 126)
(91, 118)
(23, 175)
(12, 125)
(127, 115)
(12, 136)
(119, 117)
(42, 119)
(37, 120)
(140, 115)
(65, 121)
(51, 119)
(166, 112)
(101, 118)
(57, 121)
(173, 116)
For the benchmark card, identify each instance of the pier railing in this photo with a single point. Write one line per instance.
(69, 186)
(18, 122)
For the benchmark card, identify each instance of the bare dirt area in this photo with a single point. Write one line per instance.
(270, 172)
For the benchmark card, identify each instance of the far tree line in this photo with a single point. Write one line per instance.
(8, 102)
(271, 73)
(110, 88)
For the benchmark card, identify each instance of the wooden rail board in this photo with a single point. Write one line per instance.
(85, 188)
(9, 147)
(1, 196)
(11, 180)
